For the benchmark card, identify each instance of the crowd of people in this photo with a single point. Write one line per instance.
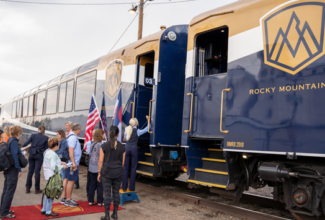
(108, 166)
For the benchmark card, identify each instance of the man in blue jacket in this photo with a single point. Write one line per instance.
(39, 143)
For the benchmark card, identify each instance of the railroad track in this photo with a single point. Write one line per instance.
(216, 206)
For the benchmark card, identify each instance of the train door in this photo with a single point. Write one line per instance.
(145, 70)
(209, 81)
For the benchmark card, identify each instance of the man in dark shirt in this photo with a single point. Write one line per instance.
(38, 146)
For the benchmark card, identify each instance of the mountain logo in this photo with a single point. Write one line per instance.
(294, 35)
(113, 79)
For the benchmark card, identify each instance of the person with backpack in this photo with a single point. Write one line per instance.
(98, 137)
(12, 174)
(110, 170)
(71, 175)
(132, 134)
(38, 146)
(63, 151)
(50, 163)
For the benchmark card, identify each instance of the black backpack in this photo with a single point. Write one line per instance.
(6, 160)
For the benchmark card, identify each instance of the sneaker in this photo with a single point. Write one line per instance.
(63, 201)
(71, 203)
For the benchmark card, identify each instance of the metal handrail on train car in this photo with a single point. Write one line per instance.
(225, 90)
(132, 109)
(150, 132)
(191, 114)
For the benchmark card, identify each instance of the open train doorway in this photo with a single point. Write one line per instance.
(143, 90)
(210, 80)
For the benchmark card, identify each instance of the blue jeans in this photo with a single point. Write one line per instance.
(47, 206)
(131, 157)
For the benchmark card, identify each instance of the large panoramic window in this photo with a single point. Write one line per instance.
(69, 97)
(40, 103)
(31, 105)
(51, 100)
(84, 89)
(63, 87)
(19, 106)
(25, 107)
(13, 111)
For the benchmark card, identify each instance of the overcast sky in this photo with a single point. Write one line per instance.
(40, 42)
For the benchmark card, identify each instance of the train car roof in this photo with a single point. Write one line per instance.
(238, 16)
(129, 53)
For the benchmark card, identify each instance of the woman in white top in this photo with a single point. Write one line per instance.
(50, 162)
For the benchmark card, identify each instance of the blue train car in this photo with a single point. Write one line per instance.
(150, 73)
(253, 111)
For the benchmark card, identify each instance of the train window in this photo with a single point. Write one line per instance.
(25, 107)
(69, 74)
(146, 69)
(13, 111)
(43, 86)
(148, 73)
(84, 89)
(69, 96)
(89, 65)
(212, 52)
(40, 103)
(19, 107)
(54, 81)
(51, 100)
(63, 87)
(31, 106)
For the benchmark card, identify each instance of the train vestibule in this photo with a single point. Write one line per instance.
(159, 94)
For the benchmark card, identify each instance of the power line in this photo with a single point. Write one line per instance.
(85, 4)
(123, 33)
(63, 3)
(161, 3)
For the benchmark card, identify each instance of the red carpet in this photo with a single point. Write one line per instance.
(34, 212)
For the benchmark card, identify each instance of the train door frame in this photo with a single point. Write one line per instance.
(206, 82)
(144, 139)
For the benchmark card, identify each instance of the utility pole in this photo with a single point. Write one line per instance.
(140, 19)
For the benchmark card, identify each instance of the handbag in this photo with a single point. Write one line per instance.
(23, 162)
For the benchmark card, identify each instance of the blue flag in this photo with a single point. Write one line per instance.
(103, 125)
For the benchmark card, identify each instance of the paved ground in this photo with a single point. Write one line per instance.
(151, 206)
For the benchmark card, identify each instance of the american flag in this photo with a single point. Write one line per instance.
(118, 115)
(93, 118)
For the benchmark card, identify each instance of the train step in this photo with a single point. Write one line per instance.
(144, 173)
(207, 184)
(214, 164)
(216, 153)
(148, 157)
(146, 166)
(211, 176)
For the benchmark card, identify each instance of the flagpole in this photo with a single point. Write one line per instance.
(100, 118)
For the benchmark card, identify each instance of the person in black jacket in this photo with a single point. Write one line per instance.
(39, 145)
(110, 171)
(11, 175)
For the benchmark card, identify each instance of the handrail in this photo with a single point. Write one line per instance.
(150, 132)
(225, 90)
(132, 109)
(191, 114)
